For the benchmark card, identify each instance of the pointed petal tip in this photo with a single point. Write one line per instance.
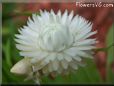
(40, 10)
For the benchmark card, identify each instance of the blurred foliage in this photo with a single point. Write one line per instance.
(86, 75)
(10, 54)
(110, 57)
(7, 9)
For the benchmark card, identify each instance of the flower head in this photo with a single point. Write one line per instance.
(56, 42)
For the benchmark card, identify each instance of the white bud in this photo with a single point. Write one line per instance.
(23, 67)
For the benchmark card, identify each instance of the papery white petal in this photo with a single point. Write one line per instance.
(71, 51)
(85, 47)
(38, 54)
(64, 64)
(77, 58)
(50, 67)
(73, 65)
(26, 48)
(85, 42)
(55, 65)
(70, 16)
(60, 57)
(67, 57)
(84, 54)
(39, 66)
(59, 13)
(89, 34)
(64, 17)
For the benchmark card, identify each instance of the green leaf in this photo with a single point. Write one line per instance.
(6, 49)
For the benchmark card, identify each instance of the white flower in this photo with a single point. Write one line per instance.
(56, 42)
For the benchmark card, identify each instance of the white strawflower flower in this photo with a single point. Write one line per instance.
(56, 42)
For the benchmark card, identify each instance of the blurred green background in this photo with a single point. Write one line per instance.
(10, 55)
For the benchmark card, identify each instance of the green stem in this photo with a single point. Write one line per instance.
(104, 49)
(108, 66)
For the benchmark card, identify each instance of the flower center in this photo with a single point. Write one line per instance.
(54, 37)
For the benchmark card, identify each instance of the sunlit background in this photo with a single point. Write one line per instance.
(98, 70)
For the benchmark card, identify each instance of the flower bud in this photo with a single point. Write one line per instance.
(22, 67)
